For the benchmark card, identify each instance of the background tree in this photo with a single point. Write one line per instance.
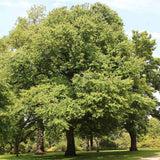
(151, 138)
(141, 95)
(144, 46)
(16, 40)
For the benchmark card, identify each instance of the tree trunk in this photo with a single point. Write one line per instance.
(133, 141)
(97, 143)
(40, 142)
(16, 148)
(91, 142)
(70, 142)
(87, 144)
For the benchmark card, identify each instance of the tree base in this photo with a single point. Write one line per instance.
(70, 153)
(133, 149)
(39, 152)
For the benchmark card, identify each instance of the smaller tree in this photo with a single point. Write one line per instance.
(141, 100)
(22, 126)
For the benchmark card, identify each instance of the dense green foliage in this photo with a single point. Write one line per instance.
(151, 139)
(5, 101)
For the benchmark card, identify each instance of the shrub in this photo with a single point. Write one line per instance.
(123, 141)
(107, 143)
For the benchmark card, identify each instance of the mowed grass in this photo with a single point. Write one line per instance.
(92, 155)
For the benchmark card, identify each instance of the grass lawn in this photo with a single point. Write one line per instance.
(103, 155)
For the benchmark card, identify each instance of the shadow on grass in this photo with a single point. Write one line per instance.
(103, 155)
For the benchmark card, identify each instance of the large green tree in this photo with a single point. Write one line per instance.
(81, 61)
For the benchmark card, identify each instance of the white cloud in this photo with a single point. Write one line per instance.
(133, 4)
(153, 34)
(130, 4)
(82, 1)
(57, 5)
(122, 4)
(11, 3)
(65, 0)
(25, 4)
(5, 4)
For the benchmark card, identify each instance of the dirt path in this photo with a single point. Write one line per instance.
(152, 158)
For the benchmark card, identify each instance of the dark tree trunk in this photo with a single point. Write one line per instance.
(40, 142)
(133, 141)
(97, 143)
(91, 142)
(16, 148)
(87, 144)
(70, 142)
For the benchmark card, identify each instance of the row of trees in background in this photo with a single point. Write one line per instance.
(75, 71)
